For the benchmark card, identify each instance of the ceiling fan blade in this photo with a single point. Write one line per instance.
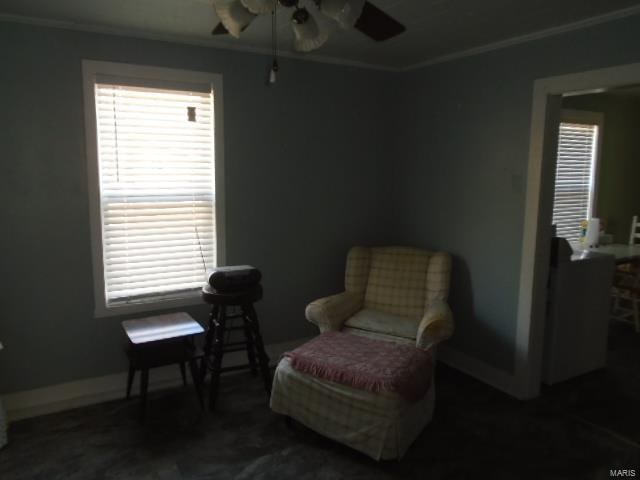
(219, 30)
(376, 24)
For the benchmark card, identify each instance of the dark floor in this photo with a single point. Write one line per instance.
(579, 429)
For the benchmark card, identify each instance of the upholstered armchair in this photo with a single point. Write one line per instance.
(393, 293)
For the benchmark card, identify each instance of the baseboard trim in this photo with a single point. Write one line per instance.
(499, 379)
(79, 393)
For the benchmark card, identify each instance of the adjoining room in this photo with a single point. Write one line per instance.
(591, 331)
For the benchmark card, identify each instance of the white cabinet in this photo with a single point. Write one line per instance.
(577, 321)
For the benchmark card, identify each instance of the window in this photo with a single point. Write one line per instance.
(155, 205)
(576, 168)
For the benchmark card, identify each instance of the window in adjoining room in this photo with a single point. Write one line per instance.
(153, 181)
(576, 186)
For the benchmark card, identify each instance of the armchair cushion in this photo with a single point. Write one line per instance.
(329, 313)
(385, 323)
(357, 271)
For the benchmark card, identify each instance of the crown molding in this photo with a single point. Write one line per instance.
(212, 43)
(529, 37)
(187, 40)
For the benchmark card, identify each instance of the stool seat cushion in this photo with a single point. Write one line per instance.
(216, 297)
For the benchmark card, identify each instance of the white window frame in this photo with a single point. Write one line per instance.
(589, 118)
(90, 70)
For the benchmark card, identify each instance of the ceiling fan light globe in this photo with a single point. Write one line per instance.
(259, 7)
(345, 12)
(308, 36)
(233, 15)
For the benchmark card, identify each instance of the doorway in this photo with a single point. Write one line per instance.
(546, 118)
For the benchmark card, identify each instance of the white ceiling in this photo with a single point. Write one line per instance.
(435, 28)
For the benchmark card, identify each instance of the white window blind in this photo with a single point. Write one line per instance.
(157, 190)
(574, 189)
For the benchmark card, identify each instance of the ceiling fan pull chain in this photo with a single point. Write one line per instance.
(274, 44)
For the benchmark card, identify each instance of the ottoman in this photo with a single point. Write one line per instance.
(377, 420)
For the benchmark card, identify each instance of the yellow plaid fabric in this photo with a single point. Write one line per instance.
(329, 313)
(436, 325)
(438, 278)
(357, 271)
(397, 281)
(381, 425)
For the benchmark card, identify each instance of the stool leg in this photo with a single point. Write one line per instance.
(208, 342)
(130, 377)
(144, 386)
(218, 351)
(251, 352)
(183, 372)
(263, 359)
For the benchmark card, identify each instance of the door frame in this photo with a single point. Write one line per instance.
(534, 263)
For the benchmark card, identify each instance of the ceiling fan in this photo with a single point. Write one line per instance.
(236, 15)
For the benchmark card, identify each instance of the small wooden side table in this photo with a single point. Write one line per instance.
(158, 341)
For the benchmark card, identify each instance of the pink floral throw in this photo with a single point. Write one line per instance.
(366, 363)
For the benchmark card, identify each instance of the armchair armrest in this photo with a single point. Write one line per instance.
(436, 325)
(329, 313)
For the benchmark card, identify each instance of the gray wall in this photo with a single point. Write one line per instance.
(330, 157)
(466, 138)
(306, 177)
(618, 195)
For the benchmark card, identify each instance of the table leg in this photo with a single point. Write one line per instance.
(130, 377)
(183, 373)
(197, 380)
(144, 386)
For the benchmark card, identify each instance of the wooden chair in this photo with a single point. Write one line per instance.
(626, 294)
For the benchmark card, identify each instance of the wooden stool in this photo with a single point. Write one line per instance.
(158, 341)
(215, 346)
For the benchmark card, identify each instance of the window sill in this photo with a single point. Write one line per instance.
(190, 299)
